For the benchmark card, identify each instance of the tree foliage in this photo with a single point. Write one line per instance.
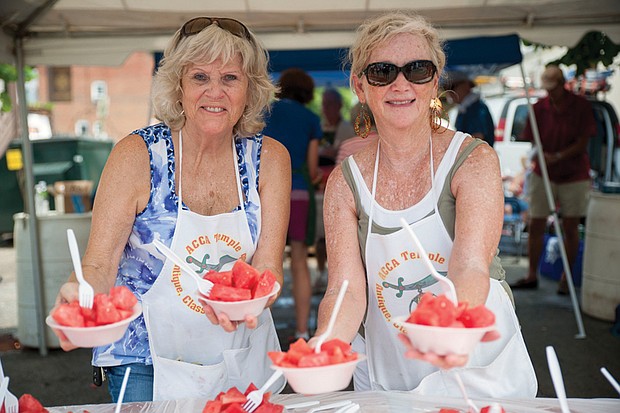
(8, 74)
(593, 48)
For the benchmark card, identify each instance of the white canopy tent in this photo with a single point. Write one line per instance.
(105, 32)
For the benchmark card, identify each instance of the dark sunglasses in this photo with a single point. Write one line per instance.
(198, 24)
(416, 71)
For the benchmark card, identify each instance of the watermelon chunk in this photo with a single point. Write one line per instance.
(265, 284)
(244, 275)
(122, 298)
(28, 404)
(105, 311)
(478, 316)
(221, 292)
(223, 277)
(69, 315)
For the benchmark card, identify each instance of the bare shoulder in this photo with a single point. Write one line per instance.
(274, 152)
(482, 156)
(130, 153)
(337, 192)
(480, 168)
(130, 148)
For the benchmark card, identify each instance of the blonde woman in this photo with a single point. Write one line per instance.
(448, 187)
(199, 180)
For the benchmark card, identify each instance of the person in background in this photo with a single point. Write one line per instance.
(565, 123)
(192, 182)
(441, 182)
(299, 130)
(336, 130)
(355, 144)
(473, 116)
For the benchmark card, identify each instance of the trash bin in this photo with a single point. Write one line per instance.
(56, 159)
(56, 265)
(601, 283)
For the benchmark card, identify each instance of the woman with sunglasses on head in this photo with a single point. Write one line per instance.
(447, 186)
(208, 185)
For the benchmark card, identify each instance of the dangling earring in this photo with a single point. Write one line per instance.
(362, 114)
(436, 114)
(182, 110)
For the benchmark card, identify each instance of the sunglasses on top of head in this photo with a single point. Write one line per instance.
(416, 71)
(232, 26)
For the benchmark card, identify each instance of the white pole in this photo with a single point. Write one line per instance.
(33, 222)
(552, 209)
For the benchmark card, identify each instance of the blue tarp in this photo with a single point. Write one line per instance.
(486, 54)
(475, 55)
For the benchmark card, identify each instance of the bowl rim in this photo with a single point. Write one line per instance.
(401, 320)
(276, 288)
(137, 310)
(360, 357)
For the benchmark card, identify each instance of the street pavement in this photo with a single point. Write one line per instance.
(61, 378)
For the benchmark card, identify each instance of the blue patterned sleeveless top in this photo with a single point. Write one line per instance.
(138, 269)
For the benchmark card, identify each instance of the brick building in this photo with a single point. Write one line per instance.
(99, 101)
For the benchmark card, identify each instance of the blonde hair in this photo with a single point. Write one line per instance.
(375, 31)
(205, 47)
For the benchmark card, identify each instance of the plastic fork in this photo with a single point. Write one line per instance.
(610, 379)
(4, 384)
(204, 286)
(329, 406)
(121, 394)
(349, 408)
(448, 286)
(332, 318)
(556, 378)
(11, 404)
(255, 398)
(469, 401)
(86, 294)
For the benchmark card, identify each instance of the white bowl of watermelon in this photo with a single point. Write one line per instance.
(104, 323)
(241, 291)
(436, 325)
(308, 372)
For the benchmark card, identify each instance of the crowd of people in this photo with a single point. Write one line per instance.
(228, 158)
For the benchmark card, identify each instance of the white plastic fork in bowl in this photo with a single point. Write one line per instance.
(332, 318)
(10, 398)
(445, 282)
(255, 398)
(11, 404)
(204, 285)
(86, 293)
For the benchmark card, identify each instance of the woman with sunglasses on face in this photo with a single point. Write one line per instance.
(447, 186)
(207, 184)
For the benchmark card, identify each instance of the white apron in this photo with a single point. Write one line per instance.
(397, 277)
(193, 358)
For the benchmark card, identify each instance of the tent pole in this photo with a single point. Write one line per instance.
(33, 227)
(552, 208)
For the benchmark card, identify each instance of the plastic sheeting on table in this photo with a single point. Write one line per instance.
(372, 401)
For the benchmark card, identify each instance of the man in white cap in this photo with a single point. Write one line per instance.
(565, 123)
(473, 114)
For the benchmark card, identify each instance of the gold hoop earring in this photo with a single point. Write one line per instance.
(362, 115)
(436, 114)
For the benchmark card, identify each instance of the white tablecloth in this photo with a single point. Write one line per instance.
(370, 402)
